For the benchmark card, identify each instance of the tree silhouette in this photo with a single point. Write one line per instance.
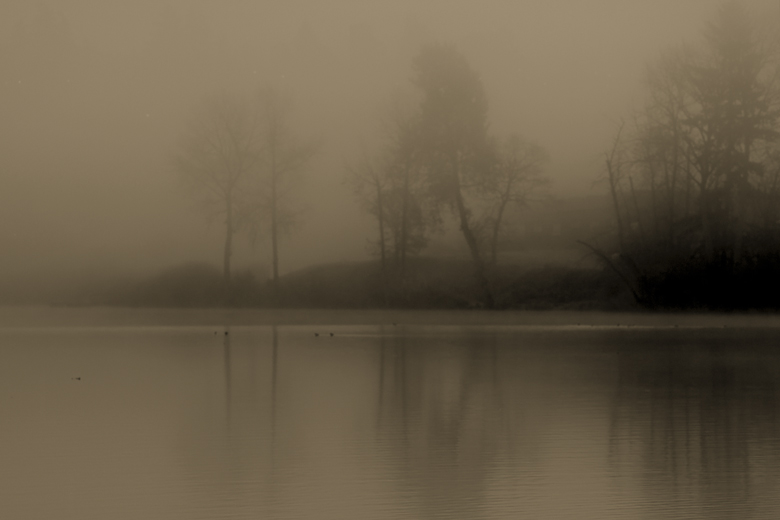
(516, 176)
(696, 188)
(284, 156)
(390, 183)
(453, 119)
(218, 152)
(368, 179)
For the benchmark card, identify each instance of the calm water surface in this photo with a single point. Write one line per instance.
(105, 419)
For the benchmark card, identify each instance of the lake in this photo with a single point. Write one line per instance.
(128, 414)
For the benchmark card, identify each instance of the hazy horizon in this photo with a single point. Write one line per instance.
(95, 95)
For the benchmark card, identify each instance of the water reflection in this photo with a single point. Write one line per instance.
(390, 423)
(228, 378)
(696, 423)
(248, 476)
(441, 418)
(274, 363)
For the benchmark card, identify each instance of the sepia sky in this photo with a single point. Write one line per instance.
(94, 96)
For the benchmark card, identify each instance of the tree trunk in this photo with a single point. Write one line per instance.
(613, 191)
(613, 188)
(672, 189)
(653, 204)
(381, 218)
(228, 241)
(471, 240)
(496, 229)
(404, 222)
(272, 144)
(740, 191)
(274, 235)
(688, 183)
(636, 209)
(706, 226)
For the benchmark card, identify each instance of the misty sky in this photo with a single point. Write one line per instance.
(94, 95)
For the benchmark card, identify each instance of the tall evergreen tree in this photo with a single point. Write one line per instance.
(453, 119)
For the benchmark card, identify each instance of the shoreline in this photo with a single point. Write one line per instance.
(104, 316)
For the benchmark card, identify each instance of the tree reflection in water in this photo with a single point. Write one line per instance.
(250, 387)
(440, 416)
(416, 422)
(696, 421)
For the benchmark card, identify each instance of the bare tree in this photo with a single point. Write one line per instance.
(390, 184)
(410, 214)
(284, 156)
(700, 170)
(218, 152)
(662, 150)
(369, 183)
(614, 177)
(453, 118)
(518, 175)
(704, 142)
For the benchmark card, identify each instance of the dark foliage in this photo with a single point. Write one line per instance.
(186, 285)
(564, 288)
(695, 185)
(718, 284)
(428, 283)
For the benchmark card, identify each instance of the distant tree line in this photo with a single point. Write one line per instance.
(693, 180)
(694, 176)
(438, 154)
(243, 163)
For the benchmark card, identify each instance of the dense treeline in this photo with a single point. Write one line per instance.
(430, 283)
(694, 176)
(243, 163)
(438, 154)
(693, 180)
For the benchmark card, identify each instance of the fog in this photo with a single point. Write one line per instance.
(95, 95)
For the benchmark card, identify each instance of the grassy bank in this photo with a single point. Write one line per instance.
(426, 283)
